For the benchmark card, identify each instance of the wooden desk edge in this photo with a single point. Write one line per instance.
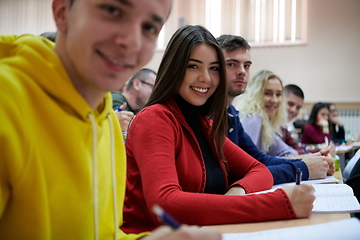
(315, 218)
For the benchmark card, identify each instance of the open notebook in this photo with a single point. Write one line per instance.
(348, 229)
(331, 198)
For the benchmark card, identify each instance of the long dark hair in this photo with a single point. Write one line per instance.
(172, 70)
(314, 112)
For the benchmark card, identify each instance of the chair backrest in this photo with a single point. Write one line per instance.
(350, 165)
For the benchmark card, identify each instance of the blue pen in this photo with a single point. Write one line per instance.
(298, 176)
(165, 217)
(304, 148)
(118, 109)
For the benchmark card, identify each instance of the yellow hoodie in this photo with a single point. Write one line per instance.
(60, 177)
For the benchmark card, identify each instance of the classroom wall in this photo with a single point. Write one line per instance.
(327, 67)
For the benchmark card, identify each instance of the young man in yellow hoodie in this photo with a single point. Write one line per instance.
(62, 158)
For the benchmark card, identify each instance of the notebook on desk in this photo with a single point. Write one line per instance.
(328, 179)
(348, 229)
(330, 198)
(335, 198)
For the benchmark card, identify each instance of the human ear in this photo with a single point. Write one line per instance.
(60, 10)
(136, 84)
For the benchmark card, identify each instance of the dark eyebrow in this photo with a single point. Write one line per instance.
(154, 17)
(125, 2)
(234, 60)
(195, 60)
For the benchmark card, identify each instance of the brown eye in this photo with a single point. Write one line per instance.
(111, 9)
(150, 29)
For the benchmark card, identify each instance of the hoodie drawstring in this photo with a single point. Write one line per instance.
(113, 175)
(95, 193)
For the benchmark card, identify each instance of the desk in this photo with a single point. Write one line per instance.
(315, 218)
(338, 175)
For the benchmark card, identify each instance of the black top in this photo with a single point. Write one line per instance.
(337, 133)
(215, 182)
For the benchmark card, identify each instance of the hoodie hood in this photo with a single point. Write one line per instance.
(29, 53)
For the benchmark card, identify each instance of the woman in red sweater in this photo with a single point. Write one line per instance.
(180, 159)
(317, 129)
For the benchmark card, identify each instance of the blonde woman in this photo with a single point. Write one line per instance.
(262, 113)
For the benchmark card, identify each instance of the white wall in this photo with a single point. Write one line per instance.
(327, 67)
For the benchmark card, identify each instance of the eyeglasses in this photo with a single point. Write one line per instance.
(150, 84)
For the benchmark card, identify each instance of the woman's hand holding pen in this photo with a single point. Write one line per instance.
(327, 149)
(183, 233)
(301, 198)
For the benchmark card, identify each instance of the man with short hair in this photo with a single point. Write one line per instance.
(238, 62)
(62, 161)
(294, 100)
(137, 91)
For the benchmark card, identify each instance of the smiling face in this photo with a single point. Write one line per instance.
(104, 42)
(272, 96)
(201, 76)
(293, 105)
(238, 64)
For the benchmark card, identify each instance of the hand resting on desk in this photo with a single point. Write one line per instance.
(301, 197)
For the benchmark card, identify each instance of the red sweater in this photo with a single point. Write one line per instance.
(287, 138)
(166, 166)
(313, 134)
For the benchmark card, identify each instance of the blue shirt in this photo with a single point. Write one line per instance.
(282, 169)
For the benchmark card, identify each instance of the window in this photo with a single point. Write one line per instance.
(261, 22)
(26, 16)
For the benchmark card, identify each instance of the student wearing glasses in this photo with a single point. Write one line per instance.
(134, 97)
(137, 91)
